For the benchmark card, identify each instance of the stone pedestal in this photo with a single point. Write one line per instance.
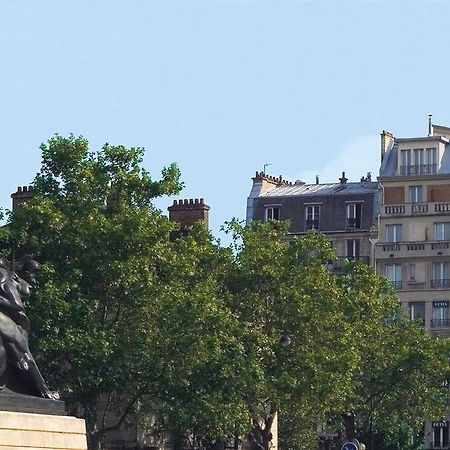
(20, 431)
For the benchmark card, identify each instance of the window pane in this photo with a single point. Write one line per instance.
(393, 233)
(442, 231)
(417, 311)
(415, 194)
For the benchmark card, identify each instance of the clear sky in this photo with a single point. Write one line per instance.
(221, 86)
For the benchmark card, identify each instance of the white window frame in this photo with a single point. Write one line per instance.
(442, 231)
(269, 212)
(431, 158)
(419, 161)
(394, 273)
(312, 213)
(396, 232)
(415, 194)
(352, 209)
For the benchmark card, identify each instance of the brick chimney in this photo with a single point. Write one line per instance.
(188, 211)
(22, 195)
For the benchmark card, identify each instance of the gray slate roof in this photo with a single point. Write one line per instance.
(322, 189)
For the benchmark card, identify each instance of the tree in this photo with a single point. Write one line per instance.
(190, 334)
(352, 346)
(92, 225)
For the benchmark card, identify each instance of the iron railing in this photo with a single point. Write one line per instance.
(418, 169)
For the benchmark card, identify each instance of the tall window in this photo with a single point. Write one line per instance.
(417, 311)
(393, 233)
(415, 194)
(442, 231)
(312, 217)
(272, 213)
(440, 314)
(440, 434)
(418, 161)
(441, 276)
(431, 160)
(412, 272)
(394, 275)
(352, 248)
(354, 211)
(405, 162)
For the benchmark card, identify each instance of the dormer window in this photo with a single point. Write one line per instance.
(354, 211)
(419, 161)
(272, 213)
(312, 213)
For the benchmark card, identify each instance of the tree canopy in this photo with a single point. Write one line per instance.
(129, 322)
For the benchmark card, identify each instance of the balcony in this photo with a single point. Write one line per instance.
(397, 285)
(412, 249)
(353, 223)
(440, 283)
(412, 209)
(418, 169)
(312, 224)
(440, 323)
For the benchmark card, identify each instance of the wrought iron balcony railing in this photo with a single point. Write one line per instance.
(418, 169)
(440, 282)
(440, 323)
(397, 284)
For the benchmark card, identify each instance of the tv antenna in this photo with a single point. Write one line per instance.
(265, 166)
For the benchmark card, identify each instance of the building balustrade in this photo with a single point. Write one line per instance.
(412, 249)
(410, 209)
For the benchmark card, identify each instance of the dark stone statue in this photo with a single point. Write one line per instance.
(19, 373)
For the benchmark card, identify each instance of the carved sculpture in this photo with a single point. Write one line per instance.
(17, 365)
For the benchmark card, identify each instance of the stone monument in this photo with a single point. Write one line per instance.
(31, 415)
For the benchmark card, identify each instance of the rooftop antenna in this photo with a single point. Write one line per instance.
(430, 126)
(266, 165)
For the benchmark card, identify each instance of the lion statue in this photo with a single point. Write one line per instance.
(18, 369)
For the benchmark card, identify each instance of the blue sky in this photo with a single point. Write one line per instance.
(221, 86)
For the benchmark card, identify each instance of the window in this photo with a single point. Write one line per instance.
(440, 434)
(352, 248)
(440, 314)
(431, 166)
(442, 231)
(405, 162)
(393, 233)
(440, 275)
(417, 311)
(272, 213)
(354, 215)
(394, 275)
(418, 161)
(415, 194)
(412, 272)
(312, 217)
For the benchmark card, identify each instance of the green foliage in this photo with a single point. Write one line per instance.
(188, 333)
(92, 224)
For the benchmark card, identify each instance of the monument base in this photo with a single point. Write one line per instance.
(20, 431)
(11, 401)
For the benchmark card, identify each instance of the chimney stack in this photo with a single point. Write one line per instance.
(188, 211)
(386, 139)
(343, 180)
(23, 194)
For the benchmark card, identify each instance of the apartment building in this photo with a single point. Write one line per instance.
(345, 211)
(413, 248)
